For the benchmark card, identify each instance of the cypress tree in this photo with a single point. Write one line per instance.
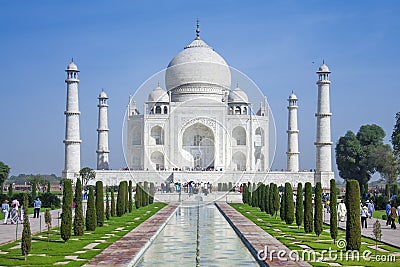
(34, 190)
(112, 203)
(10, 190)
(271, 199)
(26, 242)
(146, 193)
(289, 209)
(48, 187)
(266, 198)
(130, 204)
(126, 200)
(353, 224)
(249, 195)
(318, 209)
(275, 200)
(91, 212)
(78, 219)
(230, 187)
(254, 195)
(99, 203)
(66, 219)
(108, 211)
(308, 212)
(299, 205)
(244, 193)
(332, 204)
(387, 190)
(137, 196)
(151, 199)
(47, 220)
(282, 211)
(120, 200)
(262, 197)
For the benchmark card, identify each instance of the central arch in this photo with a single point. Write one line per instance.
(199, 141)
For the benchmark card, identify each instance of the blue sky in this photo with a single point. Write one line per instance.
(117, 45)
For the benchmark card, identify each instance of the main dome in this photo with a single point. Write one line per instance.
(197, 71)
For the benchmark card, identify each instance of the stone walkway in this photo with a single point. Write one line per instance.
(256, 239)
(389, 236)
(11, 232)
(130, 247)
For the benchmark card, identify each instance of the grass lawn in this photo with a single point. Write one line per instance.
(378, 214)
(46, 253)
(294, 238)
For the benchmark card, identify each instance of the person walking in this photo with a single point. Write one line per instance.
(37, 204)
(398, 212)
(341, 210)
(371, 208)
(5, 209)
(393, 216)
(388, 207)
(364, 215)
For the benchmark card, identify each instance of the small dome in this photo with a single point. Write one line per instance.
(72, 66)
(323, 68)
(158, 95)
(292, 97)
(237, 95)
(103, 95)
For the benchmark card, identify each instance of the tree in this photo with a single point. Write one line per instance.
(289, 204)
(395, 138)
(4, 172)
(271, 199)
(91, 212)
(395, 189)
(99, 203)
(130, 204)
(146, 193)
(244, 191)
(78, 219)
(138, 200)
(151, 198)
(47, 220)
(299, 205)
(250, 194)
(26, 243)
(282, 211)
(87, 174)
(48, 187)
(318, 209)
(333, 218)
(266, 198)
(10, 190)
(377, 233)
(308, 213)
(354, 153)
(126, 196)
(112, 210)
(108, 211)
(260, 196)
(275, 200)
(66, 218)
(121, 199)
(34, 190)
(353, 224)
(387, 164)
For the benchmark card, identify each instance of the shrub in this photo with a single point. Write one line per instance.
(271, 199)
(353, 224)
(384, 217)
(26, 242)
(91, 212)
(282, 211)
(250, 193)
(395, 189)
(387, 190)
(151, 199)
(261, 202)
(121, 200)
(138, 200)
(333, 218)
(48, 187)
(108, 212)
(266, 198)
(78, 219)
(289, 204)
(66, 218)
(99, 203)
(146, 193)
(299, 205)
(275, 198)
(50, 200)
(380, 202)
(308, 213)
(318, 209)
(130, 197)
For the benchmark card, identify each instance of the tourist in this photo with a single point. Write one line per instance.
(393, 216)
(14, 211)
(388, 207)
(364, 215)
(5, 209)
(371, 208)
(341, 211)
(398, 212)
(37, 204)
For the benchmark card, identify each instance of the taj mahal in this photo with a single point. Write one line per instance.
(198, 125)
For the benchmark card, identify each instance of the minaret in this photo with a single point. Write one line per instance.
(72, 137)
(102, 142)
(293, 136)
(323, 172)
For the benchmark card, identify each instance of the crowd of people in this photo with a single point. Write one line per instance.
(14, 211)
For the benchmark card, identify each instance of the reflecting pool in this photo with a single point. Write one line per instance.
(197, 235)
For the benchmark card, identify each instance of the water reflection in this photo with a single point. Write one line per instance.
(176, 244)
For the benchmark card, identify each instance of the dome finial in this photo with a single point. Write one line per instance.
(198, 30)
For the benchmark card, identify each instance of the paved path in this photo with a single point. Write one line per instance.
(130, 247)
(10, 232)
(256, 239)
(389, 236)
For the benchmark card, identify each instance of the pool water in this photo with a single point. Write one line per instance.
(218, 244)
